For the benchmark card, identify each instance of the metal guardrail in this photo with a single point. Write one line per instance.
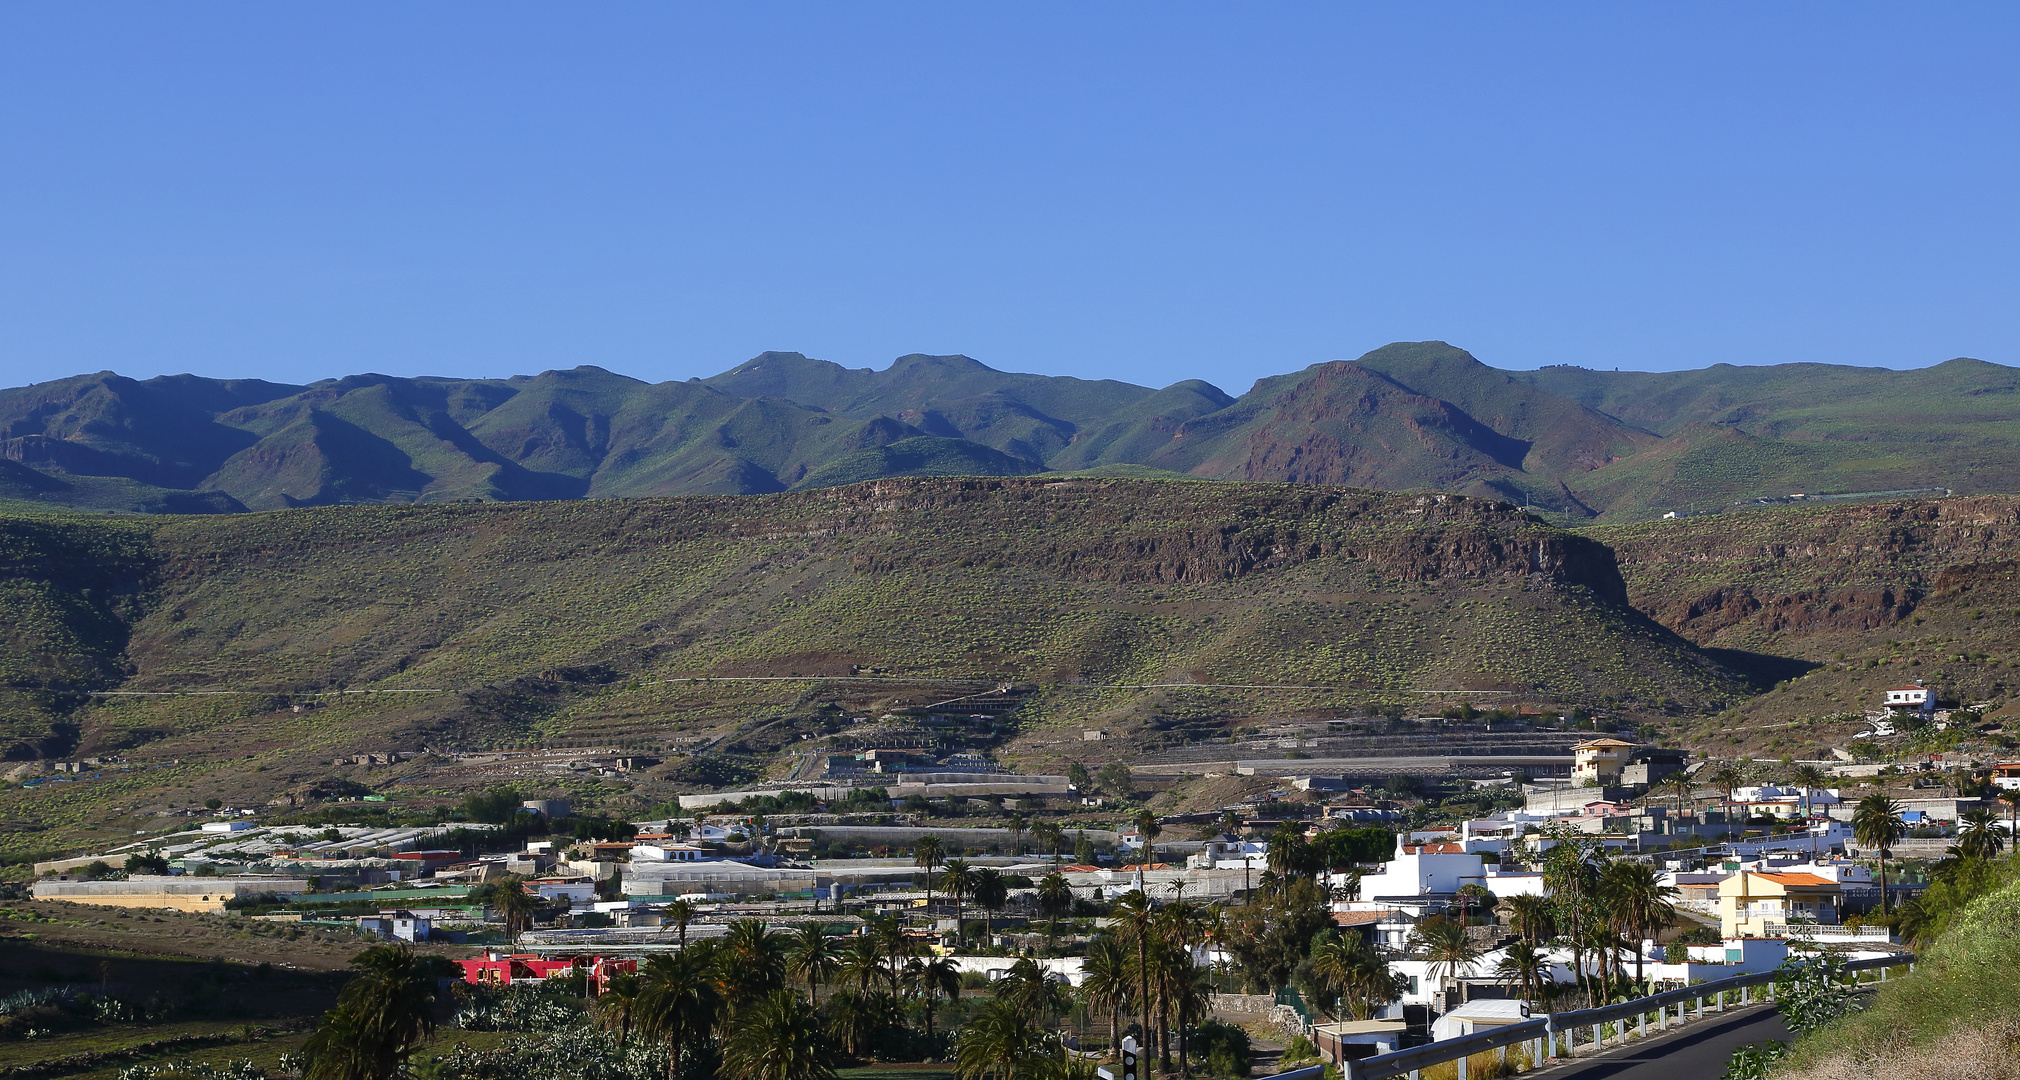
(1547, 1033)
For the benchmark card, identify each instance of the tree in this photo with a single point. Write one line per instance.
(1137, 916)
(1114, 779)
(1638, 901)
(933, 978)
(1727, 777)
(514, 904)
(680, 912)
(778, 1038)
(1230, 825)
(679, 1002)
(2011, 797)
(999, 1043)
(991, 893)
(1524, 965)
(1055, 897)
(959, 881)
(1809, 777)
(1289, 854)
(1682, 786)
(1078, 776)
(1877, 823)
(617, 1007)
(1529, 916)
(1979, 836)
(149, 863)
(1147, 826)
(753, 961)
(1105, 982)
(889, 934)
(381, 1017)
(1445, 944)
(1051, 835)
(1083, 849)
(926, 856)
(863, 960)
(1017, 822)
(1030, 991)
(812, 957)
(1473, 894)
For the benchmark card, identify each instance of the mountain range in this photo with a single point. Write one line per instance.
(1416, 415)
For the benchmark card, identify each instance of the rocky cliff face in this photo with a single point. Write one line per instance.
(1813, 570)
(1150, 531)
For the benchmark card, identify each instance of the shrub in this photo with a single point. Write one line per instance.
(1224, 1048)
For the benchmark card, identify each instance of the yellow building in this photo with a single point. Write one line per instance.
(183, 893)
(1754, 904)
(1599, 761)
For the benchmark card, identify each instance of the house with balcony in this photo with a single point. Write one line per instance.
(1598, 762)
(1758, 904)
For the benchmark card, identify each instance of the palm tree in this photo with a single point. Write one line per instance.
(1016, 823)
(1682, 786)
(1288, 851)
(933, 978)
(778, 1038)
(960, 881)
(381, 1017)
(999, 1043)
(1332, 964)
(1147, 827)
(1230, 824)
(1138, 917)
(1809, 777)
(1051, 835)
(926, 856)
(617, 1006)
(1445, 944)
(1978, 834)
(1638, 902)
(1727, 777)
(679, 1002)
(1530, 916)
(515, 905)
(812, 957)
(1876, 823)
(753, 961)
(1105, 983)
(1526, 966)
(1028, 989)
(889, 934)
(991, 893)
(863, 960)
(680, 913)
(1055, 898)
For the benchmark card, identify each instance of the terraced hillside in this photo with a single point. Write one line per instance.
(583, 621)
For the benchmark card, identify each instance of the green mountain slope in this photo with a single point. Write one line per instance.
(1412, 415)
(581, 621)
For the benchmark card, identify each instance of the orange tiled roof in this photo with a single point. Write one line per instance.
(1359, 918)
(1795, 879)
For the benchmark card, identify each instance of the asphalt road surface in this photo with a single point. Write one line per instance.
(1697, 1051)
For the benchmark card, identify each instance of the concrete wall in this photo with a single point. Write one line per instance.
(172, 893)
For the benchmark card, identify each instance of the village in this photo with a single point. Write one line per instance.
(1444, 879)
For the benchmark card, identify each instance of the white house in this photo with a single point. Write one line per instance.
(1908, 698)
(1417, 877)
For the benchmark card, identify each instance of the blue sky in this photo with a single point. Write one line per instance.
(1146, 192)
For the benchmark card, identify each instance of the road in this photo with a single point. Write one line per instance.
(1697, 1051)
